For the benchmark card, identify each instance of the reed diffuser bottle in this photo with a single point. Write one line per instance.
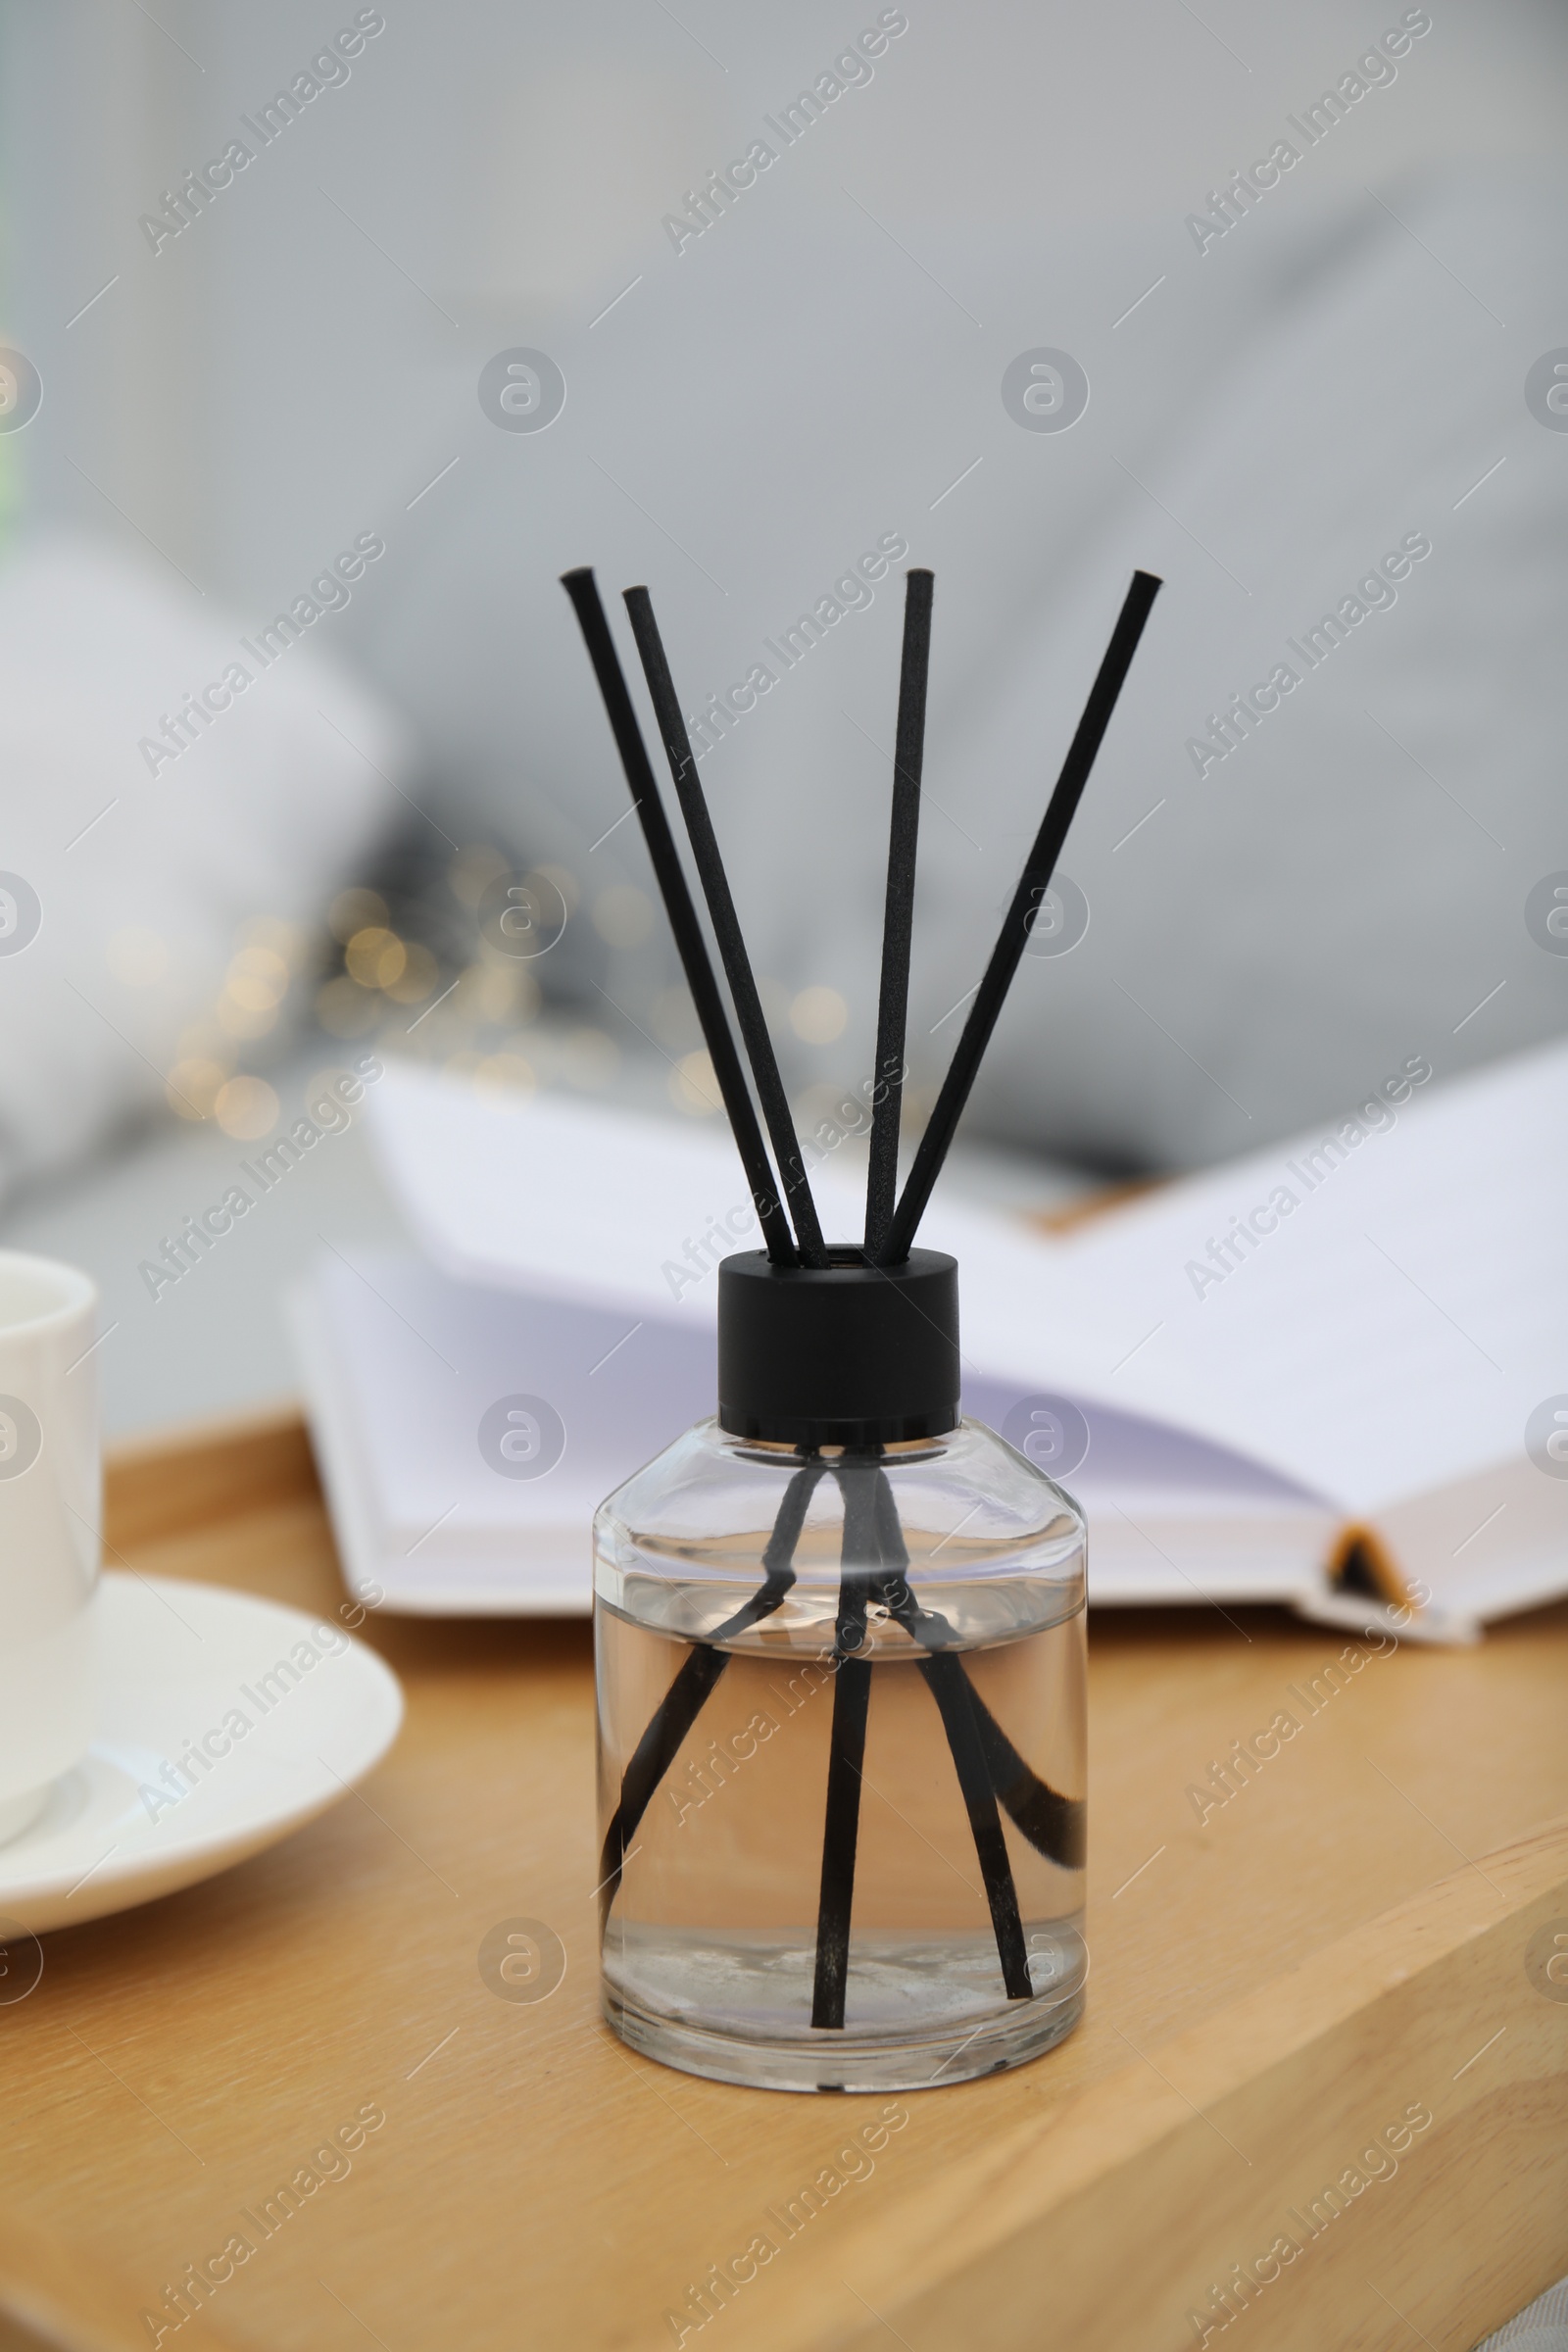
(839, 1630)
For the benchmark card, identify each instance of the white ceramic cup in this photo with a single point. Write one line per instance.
(49, 1520)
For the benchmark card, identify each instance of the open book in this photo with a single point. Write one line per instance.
(1327, 1374)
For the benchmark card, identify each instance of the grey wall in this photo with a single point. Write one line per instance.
(817, 370)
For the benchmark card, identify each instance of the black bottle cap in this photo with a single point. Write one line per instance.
(841, 1354)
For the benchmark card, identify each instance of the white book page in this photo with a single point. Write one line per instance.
(1388, 1335)
(573, 1200)
(470, 1416)
(402, 1366)
(607, 1207)
(625, 1214)
(530, 1570)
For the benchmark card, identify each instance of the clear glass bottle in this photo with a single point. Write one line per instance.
(841, 1756)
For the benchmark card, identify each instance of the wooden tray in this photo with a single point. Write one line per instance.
(1356, 1935)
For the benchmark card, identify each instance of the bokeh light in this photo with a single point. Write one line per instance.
(504, 1074)
(818, 1015)
(192, 1086)
(375, 956)
(417, 978)
(693, 1087)
(356, 910)
(258, 979)
(246, 1109)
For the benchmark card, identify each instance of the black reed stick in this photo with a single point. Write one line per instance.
(1050, 1821)
(953, 1692)
(1053, 1825)
(956, 1704)
(584, 594)
(845, 1755)
(1033, 883)
(726, 927)
(696, 1680)
(1056, 1825)
(898, 917)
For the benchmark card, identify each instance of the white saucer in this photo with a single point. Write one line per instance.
(176, 1659)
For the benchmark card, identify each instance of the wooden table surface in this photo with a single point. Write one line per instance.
(1348, 1938)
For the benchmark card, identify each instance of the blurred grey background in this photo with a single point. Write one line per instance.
(1286, 385)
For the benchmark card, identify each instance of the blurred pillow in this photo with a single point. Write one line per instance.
(164, 784)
